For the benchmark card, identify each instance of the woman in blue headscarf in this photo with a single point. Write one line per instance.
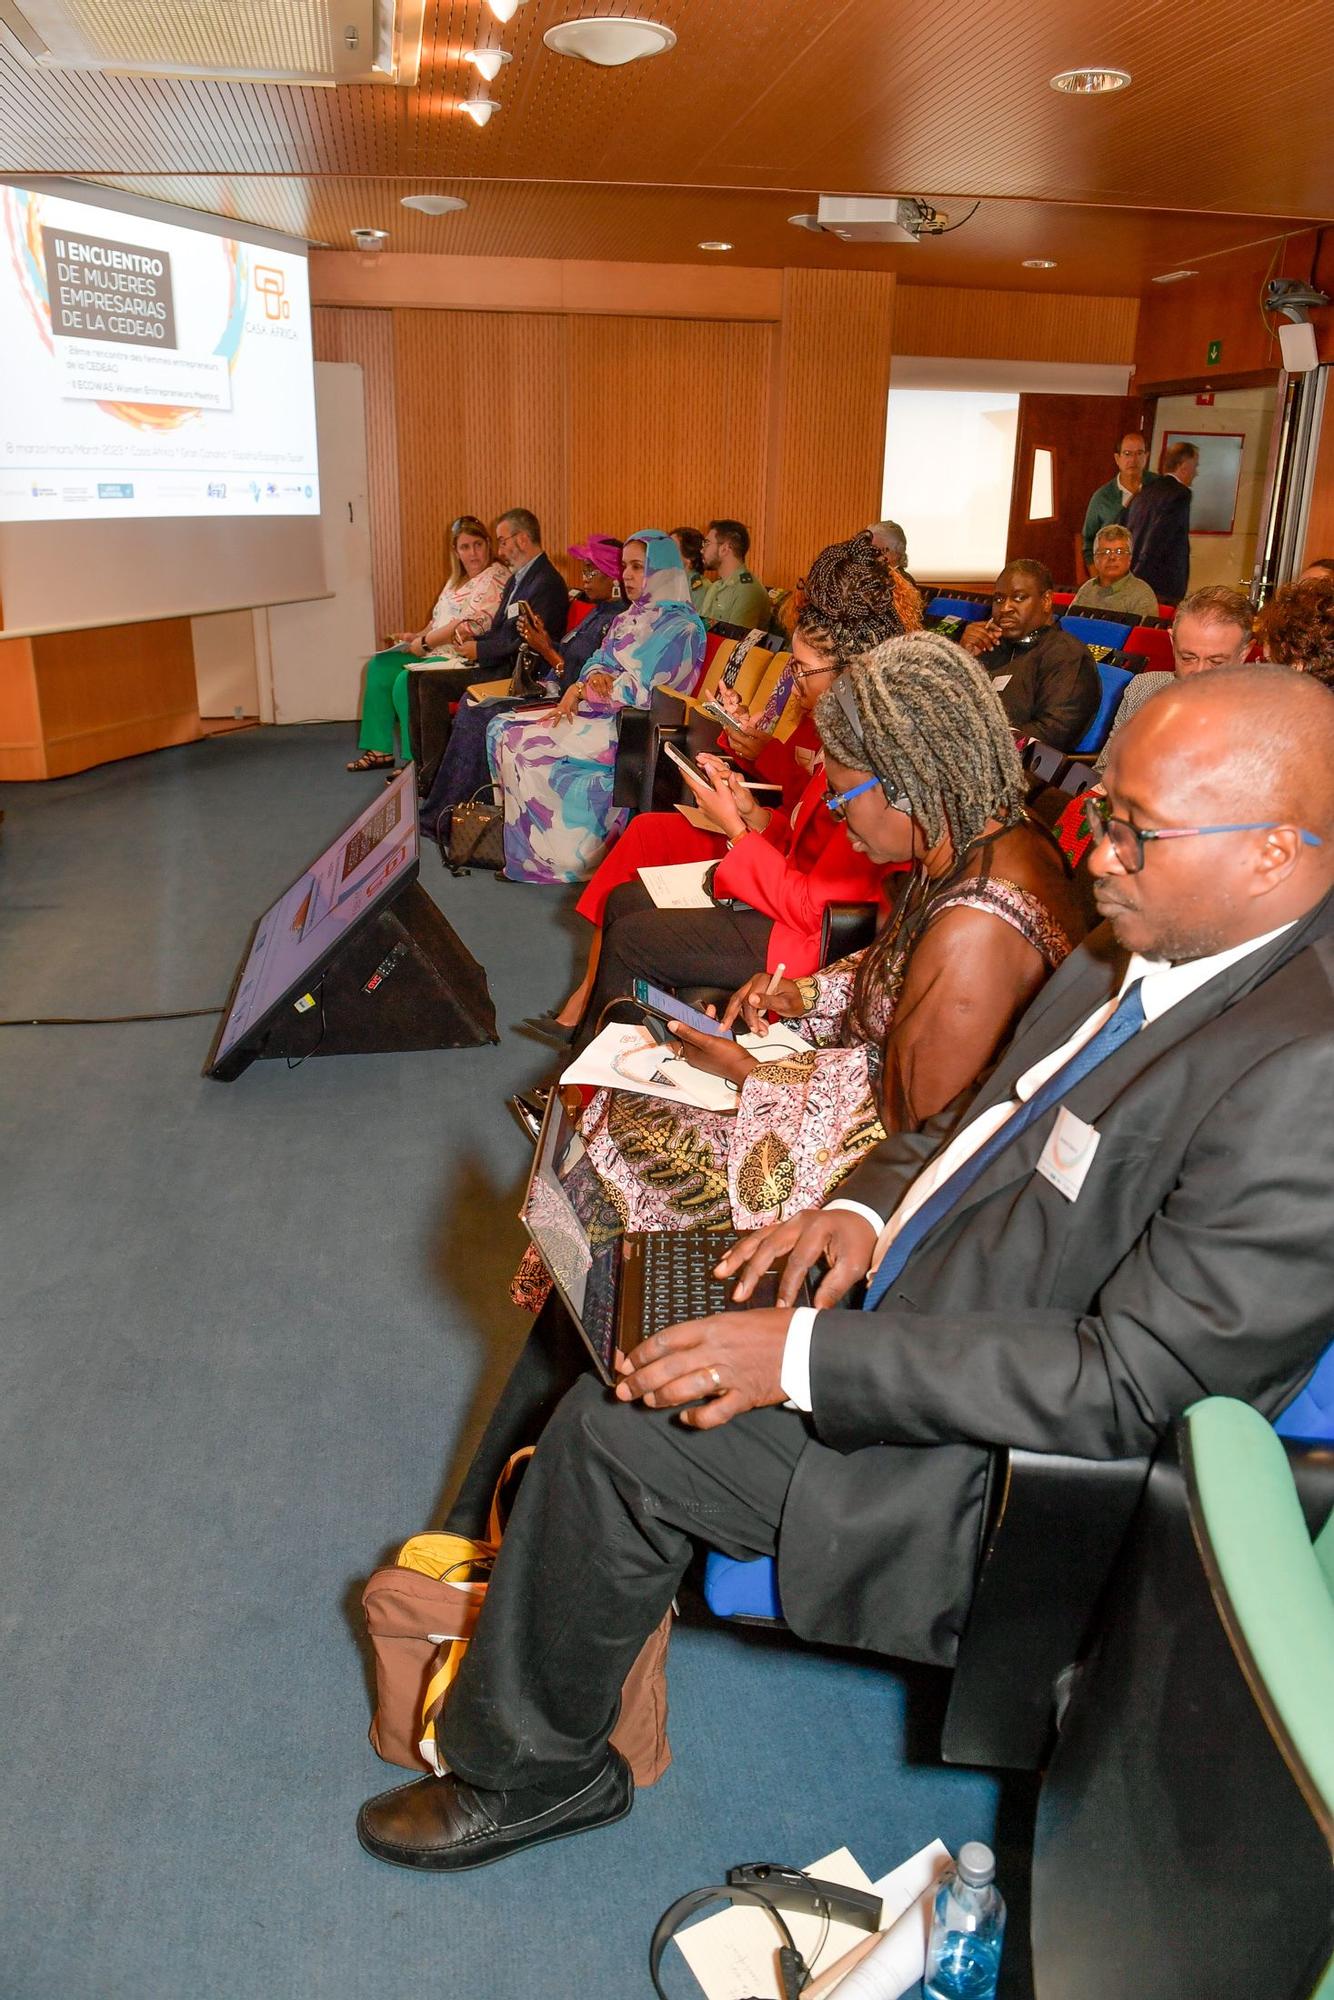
(555, 770)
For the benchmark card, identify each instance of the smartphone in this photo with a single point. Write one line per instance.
(668, 1008)
(684, 763)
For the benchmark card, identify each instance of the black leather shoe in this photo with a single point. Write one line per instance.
(446, 1825)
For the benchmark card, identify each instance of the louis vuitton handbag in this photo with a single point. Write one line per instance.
(474, 836)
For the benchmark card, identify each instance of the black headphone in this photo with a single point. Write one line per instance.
(774, 1888)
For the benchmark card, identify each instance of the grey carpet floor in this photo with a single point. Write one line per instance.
(250, 1332)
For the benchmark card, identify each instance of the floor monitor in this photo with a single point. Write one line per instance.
(355, 958)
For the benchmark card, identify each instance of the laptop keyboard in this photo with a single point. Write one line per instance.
(678, 1278)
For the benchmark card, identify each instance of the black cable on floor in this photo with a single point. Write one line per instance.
(104, 1020)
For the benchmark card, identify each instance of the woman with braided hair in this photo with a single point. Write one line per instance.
(786, 863)
(922, 769)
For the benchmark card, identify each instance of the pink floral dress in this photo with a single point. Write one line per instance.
(802, 1123)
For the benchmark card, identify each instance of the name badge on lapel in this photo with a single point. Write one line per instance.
(512, 608)
(1068, 1153)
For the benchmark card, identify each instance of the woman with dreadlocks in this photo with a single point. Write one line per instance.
(778, 868)
(922, 769)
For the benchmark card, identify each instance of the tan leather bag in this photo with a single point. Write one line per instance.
(420, 1613)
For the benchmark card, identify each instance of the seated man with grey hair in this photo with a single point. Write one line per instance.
(889, 540)
(1212, 628)
(1113, 585)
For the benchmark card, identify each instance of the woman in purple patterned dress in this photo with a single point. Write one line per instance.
(555, 769)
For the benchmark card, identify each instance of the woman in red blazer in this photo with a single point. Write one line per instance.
(778, 869)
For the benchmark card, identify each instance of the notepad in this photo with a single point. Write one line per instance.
(679, 886)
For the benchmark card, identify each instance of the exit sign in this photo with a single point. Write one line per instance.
(1205, 399)
(1215, 354)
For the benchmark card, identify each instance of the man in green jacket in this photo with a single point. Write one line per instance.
(735, 597)
(1109, 503)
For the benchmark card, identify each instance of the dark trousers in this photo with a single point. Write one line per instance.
(551, 1361)
(463, 769)
(718, 947)
(601, 1533)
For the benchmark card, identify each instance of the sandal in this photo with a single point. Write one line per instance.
(371, 760)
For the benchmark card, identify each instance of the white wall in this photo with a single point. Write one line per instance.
(949, 467)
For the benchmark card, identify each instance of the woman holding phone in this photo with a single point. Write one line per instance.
(785, 861)
(915, 739)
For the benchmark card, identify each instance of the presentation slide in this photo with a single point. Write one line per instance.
(299, 929)
(151, 369)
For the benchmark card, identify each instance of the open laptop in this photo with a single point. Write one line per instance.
(618, 1286)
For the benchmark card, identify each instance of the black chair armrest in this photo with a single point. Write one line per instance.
(1056, 1526)
(634, 737)
(845, 928)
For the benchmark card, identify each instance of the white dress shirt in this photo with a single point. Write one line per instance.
(1164, 984)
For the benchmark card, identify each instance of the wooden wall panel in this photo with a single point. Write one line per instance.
(827, 444)
(669, 424)
(482, 425)
(77, 699)
(368, 338)
(1013, 326)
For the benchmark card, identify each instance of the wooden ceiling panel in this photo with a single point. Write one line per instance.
(1096, 250)
(760, 106)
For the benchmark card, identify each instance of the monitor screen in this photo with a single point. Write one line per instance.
(577, 1231)
(152, 367)
(370, 860)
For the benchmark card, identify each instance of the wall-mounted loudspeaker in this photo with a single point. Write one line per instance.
(1299, 348)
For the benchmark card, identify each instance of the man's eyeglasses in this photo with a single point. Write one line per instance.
(1128, 840)
(837, 802)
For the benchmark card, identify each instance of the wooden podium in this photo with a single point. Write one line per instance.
(70, 700)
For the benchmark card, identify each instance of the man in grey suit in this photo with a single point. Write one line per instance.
(1132, 1212)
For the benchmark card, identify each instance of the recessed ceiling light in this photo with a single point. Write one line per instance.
(1090, 82)
(1174, 277)
(489, 61)
(1039, 264)
(370, 239)
(480, 109)
(505, 10)
(714, 244)
(433, 204)
(609, 40)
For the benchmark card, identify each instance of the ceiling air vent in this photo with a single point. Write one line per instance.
(322, 42)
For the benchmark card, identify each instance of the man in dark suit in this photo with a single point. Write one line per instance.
(1159, 522)
(534, 580)
(1132, 1212)
(1045, 677)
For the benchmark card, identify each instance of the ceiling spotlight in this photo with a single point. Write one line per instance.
(489, 61)
(433, 204)
(1039, 264)
(480, 109)
(714, 244)
(1174, 277)
(505, 10)
(370, 239)
(1089, 82)
(609, 40)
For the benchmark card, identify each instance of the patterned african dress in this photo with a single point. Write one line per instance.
(803, 1122)
(556, 777)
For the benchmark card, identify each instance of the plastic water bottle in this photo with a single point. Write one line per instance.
(967, 1929)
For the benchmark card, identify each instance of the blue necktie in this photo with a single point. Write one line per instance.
(1127, 1020)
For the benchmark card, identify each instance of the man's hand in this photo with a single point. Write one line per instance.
(467, 647)
(733, 1358)
(717, 1055)
(977, 639)
(842, 1238)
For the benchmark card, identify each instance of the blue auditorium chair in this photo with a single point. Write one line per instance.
(1096, 631)
(749, 1590)
(1114, 681)
(970, 609)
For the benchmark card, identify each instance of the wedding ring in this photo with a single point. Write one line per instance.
(715, 1378)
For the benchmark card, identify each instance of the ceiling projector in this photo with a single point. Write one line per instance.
(892, 218)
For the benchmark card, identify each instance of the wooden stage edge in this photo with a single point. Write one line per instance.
(72, 700)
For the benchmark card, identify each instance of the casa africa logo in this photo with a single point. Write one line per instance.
(23, 218)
